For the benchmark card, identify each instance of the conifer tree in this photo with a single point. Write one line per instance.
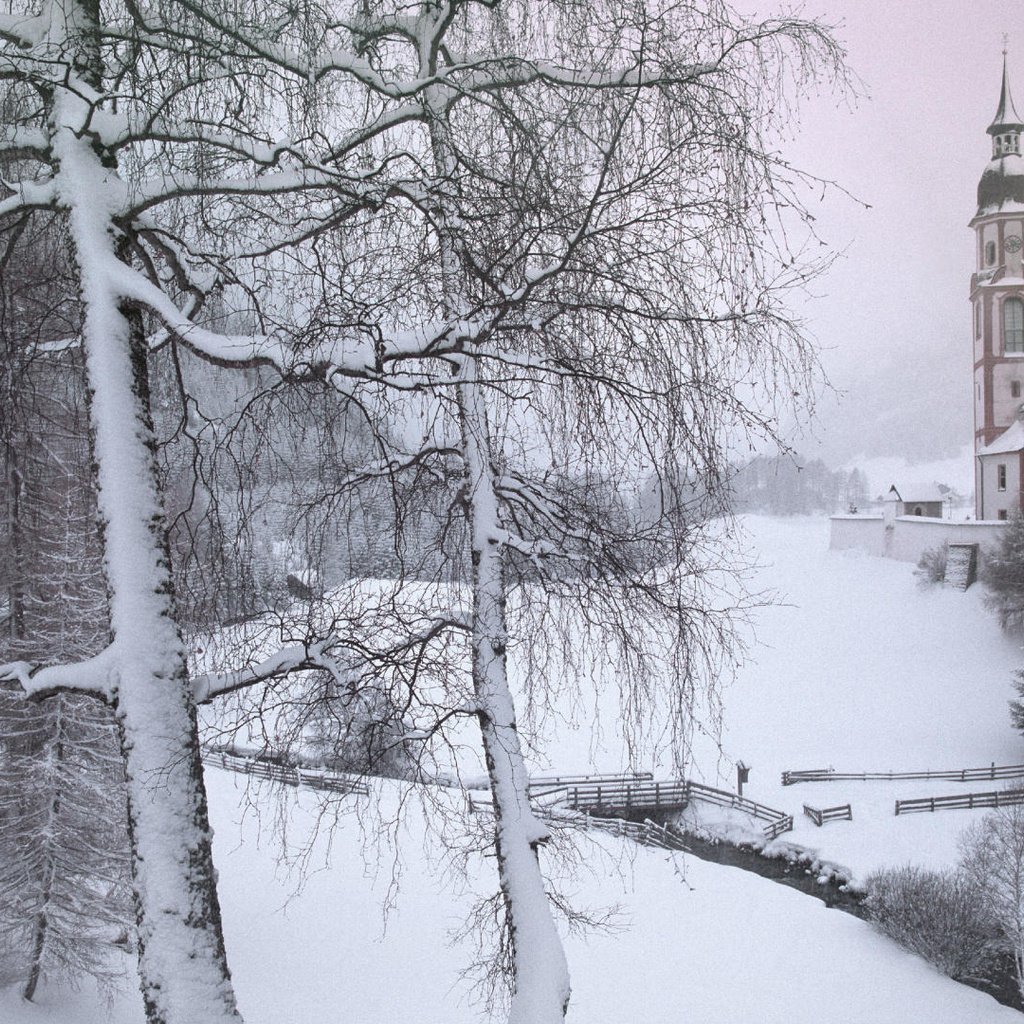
(63, 844)
(1004, 575)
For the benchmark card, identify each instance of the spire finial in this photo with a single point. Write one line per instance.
(1006, 116)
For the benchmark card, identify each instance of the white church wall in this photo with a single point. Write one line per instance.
(996, 499)
(1004, 403)
(909, 536)
(864, 533)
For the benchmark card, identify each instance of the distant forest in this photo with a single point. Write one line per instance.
(790, 485)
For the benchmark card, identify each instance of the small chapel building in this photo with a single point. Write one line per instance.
(997, 300)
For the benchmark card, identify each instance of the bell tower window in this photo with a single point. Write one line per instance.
(990, 253)
(1013, 325)
(1006, 144)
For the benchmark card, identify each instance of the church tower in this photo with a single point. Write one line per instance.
(997, 300)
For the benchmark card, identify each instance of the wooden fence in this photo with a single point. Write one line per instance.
(311, 778)
(961, 801)
(993, 772)
(820, 817)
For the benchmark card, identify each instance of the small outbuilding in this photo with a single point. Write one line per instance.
(926, 500)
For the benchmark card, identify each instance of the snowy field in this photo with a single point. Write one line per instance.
(863, 670)
(857, 669)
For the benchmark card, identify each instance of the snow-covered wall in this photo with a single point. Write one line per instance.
(908, 537)
(864, 532)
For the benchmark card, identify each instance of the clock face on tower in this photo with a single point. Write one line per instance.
(1013, 243)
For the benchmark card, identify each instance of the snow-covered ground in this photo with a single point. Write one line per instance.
(857, 669)
(862, 670)
(690, 940)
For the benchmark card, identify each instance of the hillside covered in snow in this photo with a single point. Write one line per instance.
(358, 910)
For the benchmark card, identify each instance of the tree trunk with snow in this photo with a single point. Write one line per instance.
(182, 964)
(540, 972)
(541, 983)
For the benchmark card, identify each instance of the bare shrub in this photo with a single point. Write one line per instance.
(992, 858)
(931, 566)
(937, 914)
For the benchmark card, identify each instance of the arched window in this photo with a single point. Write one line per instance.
(1013, 325)
(990, 253)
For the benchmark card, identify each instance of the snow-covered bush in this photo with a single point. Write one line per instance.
(992, 859)
(937, 914)
(931, 566)
(1017, 706)
(1003, 575)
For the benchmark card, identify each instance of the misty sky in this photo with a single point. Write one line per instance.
(893, 315)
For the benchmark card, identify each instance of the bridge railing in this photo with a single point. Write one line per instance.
(629, 795)
(549, 783)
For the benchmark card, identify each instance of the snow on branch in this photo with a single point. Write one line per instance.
(28, 195)
(97, 676)
(296, 658)
(24, 32)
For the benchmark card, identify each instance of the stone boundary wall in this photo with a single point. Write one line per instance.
(906, 538)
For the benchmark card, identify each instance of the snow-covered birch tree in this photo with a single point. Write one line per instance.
(62, 154)
(574, 214)
(592, 252)
(122, 117)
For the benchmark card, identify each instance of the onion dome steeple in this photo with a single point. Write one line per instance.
(1002, 183)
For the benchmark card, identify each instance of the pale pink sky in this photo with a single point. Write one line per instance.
(893, 313)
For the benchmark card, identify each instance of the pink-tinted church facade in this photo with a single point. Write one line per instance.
(997, 300)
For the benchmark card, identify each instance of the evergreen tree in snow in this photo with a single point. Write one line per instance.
(63, 844)
(1003, 575)
(64, 880)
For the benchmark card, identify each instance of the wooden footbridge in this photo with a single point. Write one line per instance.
(611, 796)
(601, 797)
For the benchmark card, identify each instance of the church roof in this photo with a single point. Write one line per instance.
(1002, 185)
(1010, 440)
(1006, 116)
(1001, 188)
